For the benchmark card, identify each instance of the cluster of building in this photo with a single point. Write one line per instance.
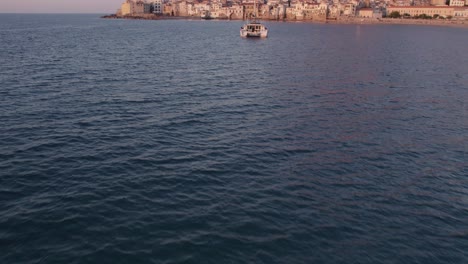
(296, 9)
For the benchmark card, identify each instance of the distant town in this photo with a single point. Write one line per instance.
(299, 10)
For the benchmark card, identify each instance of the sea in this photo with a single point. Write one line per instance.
(178, 141)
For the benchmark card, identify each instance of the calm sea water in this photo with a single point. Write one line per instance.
(179, 142)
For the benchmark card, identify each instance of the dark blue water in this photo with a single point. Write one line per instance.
(179, 142)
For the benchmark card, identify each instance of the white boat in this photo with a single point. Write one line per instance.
(254, 28)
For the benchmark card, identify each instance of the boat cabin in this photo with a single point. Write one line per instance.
(254, 27)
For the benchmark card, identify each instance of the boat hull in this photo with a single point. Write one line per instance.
(246, 34)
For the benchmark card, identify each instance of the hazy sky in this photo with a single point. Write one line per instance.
(59, 6)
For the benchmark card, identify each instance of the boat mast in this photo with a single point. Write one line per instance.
(255, 8)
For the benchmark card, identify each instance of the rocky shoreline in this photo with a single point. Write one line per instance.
(347, 20)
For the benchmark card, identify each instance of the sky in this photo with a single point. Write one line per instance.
(60, 6)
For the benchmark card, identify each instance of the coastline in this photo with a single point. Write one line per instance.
(341, 21)
(402, 21)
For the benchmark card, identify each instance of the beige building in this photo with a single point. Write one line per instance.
(130, 7)
(349, 9)
(419, 10)
(180, 8)
(369, 13)
(274, 11)
(168, 10)
(460, 13)
(249, 10)
(457, 2)
(126, 8)
(158, 6)
(438, 2)
(308, 11)
(366, 12)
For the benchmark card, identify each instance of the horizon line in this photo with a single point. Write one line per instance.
(53, 13)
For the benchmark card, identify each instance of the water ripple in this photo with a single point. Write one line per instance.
(125, 142)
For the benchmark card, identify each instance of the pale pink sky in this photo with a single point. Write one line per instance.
(59, 6)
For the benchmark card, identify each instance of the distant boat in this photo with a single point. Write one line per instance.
(254, 28)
